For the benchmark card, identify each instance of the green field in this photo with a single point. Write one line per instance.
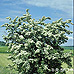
(67, 47)
(3, 49)
(4, 64)
(4, 61)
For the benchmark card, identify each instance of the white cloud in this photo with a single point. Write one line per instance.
(70, 37)
(11, 13)
(64, 5)
(16, 12)
(69, 41)
(3, 20)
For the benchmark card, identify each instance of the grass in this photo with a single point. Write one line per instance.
(3, 49)
(4, 64)
(67, 47)
(68, 51)
(4, 61)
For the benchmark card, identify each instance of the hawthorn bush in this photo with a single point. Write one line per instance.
(35, 45)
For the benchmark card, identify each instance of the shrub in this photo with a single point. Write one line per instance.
(35, 45)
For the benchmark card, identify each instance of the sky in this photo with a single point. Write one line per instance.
(55, 9)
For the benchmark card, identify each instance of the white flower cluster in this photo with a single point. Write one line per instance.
(37, 51)
(21, 37)
(38, 44)
(26, 45)
(30, 41)
(28, 33)
(20, 27)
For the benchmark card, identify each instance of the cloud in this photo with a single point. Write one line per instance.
(70, 37)
(63, 5)
(11, 13)
(16, 12)
(3, 20)
(69, 41)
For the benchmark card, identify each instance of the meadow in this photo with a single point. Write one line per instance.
(4, 61)
(3, 49)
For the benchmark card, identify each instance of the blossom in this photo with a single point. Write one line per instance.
(21, 37)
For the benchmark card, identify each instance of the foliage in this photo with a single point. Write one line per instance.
(4, 64)
(2, 43)
(3, 49)
(35, 45)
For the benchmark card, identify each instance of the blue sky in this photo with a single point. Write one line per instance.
(55, 9)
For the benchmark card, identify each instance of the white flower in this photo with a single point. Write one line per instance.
(46, 52)
(13, 24)
(37, 51)
(25, 44)
(23, 30)
(12, 47)
(21, 37)
(51, 47)
(68, 21)
(15, 33)
(38, 43)
(28, 33)
(14, 36)
(45, 67)
(20, 27)
(39, 37)
(32, 41)
(46, 28)
(30, 26)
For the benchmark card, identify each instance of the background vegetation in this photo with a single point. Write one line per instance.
(2, 43)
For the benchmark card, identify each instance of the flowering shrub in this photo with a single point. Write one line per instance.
(35, 45)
